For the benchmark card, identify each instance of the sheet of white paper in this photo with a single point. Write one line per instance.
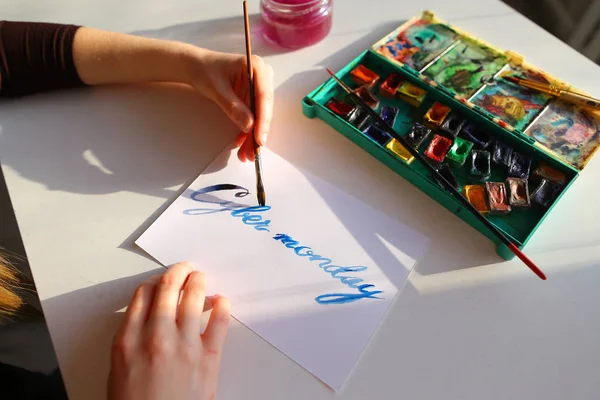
(313, 272)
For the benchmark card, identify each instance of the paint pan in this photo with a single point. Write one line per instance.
(388, 114)
(520, 164)
(341, 109)
(359, 118)
(363, 76)
(436, 114)
(518, 192)
(366, 96)
(445, 170)
(497, 197)
(459, 151)
(438, 148)
(545, 193)
(545, 171)
(412, 94)
(502, 154)
(389, 87)
(400, 151)
(377, 134)
(417, 135)
(475, 134)
(476, 196)
(480, 164)
(452, 125)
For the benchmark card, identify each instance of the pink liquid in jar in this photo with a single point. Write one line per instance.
(296, 23)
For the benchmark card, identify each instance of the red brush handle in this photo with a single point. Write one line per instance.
(526, 260)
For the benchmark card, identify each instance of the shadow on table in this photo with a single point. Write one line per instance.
(94, 312)
(224, 35)
(144, 139)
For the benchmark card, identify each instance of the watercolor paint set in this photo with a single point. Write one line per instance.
(511, 151)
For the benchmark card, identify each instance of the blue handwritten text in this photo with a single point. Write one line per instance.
(336, 272)
(249, 215)
(253, 216)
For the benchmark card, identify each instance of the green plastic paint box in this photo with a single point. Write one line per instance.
(464, 73)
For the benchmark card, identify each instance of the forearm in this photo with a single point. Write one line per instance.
(106, 57)
(36, 57)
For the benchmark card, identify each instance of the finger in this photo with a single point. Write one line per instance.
(234, 107)
(216, 330)
(264, 91)
(241, 153)
(248, 148)
(239, 140)
(139, 307)
(192, 304)
(168, 289)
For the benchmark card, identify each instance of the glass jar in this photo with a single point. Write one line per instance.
(296, 23)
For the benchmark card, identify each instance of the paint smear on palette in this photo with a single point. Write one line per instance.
(419, 44)
(514, 104)
(568, 131)
(466, 68)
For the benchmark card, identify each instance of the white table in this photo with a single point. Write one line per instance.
(88, 170)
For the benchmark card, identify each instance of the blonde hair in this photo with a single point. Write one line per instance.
(13, 286)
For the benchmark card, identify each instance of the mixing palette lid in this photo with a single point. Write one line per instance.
(471, 70)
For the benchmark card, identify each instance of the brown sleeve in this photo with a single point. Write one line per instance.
(36, 57)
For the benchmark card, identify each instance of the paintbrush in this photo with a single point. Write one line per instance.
(565, 95)
(440, 178)
(260, 188)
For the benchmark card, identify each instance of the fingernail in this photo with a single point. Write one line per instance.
(263, 138)
(246, 124)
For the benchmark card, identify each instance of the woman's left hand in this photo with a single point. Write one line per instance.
(158, 352)
(223, 78)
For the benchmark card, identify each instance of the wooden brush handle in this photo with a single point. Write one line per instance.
(580, 100)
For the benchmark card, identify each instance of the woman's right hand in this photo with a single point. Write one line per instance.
(223, 78)
(158, 352)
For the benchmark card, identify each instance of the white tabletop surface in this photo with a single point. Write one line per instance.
(89, 169)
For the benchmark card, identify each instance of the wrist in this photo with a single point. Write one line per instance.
(176, 58)
(194, 65)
